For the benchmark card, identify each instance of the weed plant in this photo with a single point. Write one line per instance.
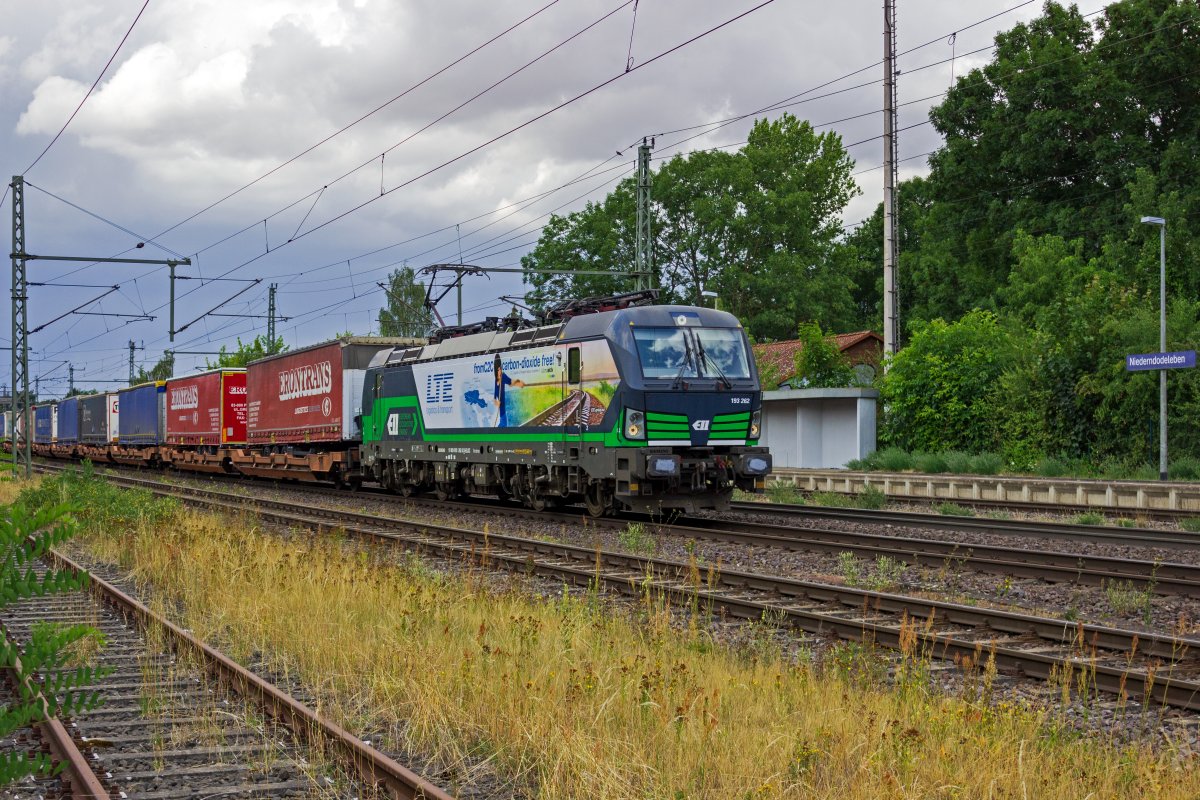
(784, 493)
(1089, 518)
(567, 694)
(636, 539)
(869, 497)
(1190, 524)
(954, 510)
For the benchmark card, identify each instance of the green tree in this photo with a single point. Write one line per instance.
(600, 237)
(247, 352)
(785, 261)
(405, 313)
(1074, 129)
(760, 226)
(937, 393)
(162, 370)
(820, 364)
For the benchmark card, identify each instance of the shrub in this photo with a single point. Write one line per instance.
(1051, 467)
(934, 463)
(1185, 469)
(893, 459)
(958, 462)
(986, 464)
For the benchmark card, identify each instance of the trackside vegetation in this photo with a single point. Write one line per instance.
(564, 696)
(1025, 275)
(51, 667)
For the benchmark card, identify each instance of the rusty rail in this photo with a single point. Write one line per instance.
(371, 765)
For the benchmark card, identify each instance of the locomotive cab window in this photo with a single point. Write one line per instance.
(573, 365)
(692, 353)
(665, 352)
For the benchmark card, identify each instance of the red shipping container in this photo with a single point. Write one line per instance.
(311, 395)
(207, 409)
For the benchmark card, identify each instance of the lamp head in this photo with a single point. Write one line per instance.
(1154, 220)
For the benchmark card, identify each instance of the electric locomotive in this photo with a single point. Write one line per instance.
(643, 407)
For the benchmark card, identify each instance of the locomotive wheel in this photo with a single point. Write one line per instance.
(594, 499)
(446, 491)
(405, 489)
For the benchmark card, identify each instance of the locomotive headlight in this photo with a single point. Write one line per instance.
(755, 424)
(635, 424)
(755, 464)
(663, 466)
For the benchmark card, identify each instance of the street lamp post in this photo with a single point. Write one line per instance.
(1162, 341)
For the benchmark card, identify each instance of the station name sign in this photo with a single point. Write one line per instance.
(1179, 360)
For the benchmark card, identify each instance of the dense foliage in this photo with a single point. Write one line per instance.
(1025, 274)
(48, 673)
(1053, 152)
(760, 227)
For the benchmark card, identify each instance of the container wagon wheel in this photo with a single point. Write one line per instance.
(595, 500)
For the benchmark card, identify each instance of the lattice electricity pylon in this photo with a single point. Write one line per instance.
(22, 447)
(22, 418)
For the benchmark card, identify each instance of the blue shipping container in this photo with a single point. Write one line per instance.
(143, 414)
(43, 423)
(68, 421)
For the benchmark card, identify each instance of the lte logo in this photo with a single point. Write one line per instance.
(439, 387)
(393, 424)
(700, 425)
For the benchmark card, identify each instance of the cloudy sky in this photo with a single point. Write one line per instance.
(189, 142)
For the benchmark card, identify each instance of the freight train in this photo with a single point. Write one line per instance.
(618, 407)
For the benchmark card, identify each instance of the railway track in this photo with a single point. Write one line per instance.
(1160, 577)
(1155, 668)
(1034, 507)
(167, 729)
(1088, 534)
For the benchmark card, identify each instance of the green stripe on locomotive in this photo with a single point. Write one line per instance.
(375, 421)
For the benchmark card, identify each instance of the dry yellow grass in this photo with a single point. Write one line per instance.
(10, 488)
(575, 701)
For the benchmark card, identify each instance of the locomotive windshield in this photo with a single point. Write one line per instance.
(692, 352)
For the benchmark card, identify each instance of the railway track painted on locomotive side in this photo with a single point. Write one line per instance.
(1157, 668)
(164, 731)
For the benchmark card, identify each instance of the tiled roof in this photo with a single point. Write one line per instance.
(780, 357)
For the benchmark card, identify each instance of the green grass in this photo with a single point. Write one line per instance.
(869, 498)
(1190, 524)
(784, 493)
(954, 510)
(1089, 518)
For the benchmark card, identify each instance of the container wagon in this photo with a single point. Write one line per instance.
(303, 418)
(93, 427)
(67, 445)
(205, 416)
(140, 424)
(45, 427)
